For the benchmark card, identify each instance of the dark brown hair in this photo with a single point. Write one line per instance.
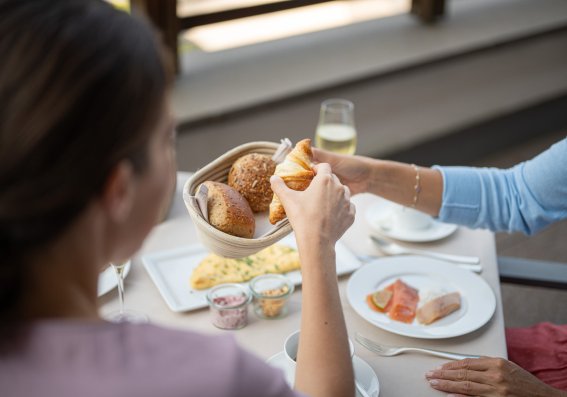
(81, 88)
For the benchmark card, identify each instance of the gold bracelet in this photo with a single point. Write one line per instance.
(417, 186)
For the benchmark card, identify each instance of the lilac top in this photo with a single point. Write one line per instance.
(72, 358)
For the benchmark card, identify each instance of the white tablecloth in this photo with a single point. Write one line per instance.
(399, 376)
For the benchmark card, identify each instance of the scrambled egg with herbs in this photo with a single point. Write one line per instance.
(215, 269)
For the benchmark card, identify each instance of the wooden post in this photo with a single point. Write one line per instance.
(428, 11)
(163, 14)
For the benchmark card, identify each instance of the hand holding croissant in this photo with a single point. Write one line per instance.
(321, 213)
(297, 172)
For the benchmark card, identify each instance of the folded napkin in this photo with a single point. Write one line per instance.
(541, 350)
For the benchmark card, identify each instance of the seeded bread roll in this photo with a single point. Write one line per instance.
(228, 211)
(250, 176)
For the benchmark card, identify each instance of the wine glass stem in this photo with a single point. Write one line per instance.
(120, 288)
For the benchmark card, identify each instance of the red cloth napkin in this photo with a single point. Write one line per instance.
(541, 350)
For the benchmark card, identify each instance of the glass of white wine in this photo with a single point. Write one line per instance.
(336, 131)
(123, 5)
(123, 315)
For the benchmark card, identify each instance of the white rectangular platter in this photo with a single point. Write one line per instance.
(170, 271)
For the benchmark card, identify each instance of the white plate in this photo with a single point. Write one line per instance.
(379, 217)
(107, 279)
(427, 275)
(363, 373)
(170, 271)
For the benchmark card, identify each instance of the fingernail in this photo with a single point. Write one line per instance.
(429, 374)
(439, 368)
(451, 395)
(433, 382)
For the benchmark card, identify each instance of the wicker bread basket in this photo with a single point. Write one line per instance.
(219, 242)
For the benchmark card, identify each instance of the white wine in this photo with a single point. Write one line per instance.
(119, 267)
(123, 5)
(337, 138)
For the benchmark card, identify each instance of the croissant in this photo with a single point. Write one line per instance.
(297, 172)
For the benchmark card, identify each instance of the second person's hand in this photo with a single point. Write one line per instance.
(353, 171)
(405, 184)
(488, 377)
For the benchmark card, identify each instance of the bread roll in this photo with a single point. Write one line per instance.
(229, 211)
(250, 176)
(297, 172)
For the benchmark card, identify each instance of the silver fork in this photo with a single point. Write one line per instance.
(388, 351)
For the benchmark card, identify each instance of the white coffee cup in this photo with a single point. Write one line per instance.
(405, 218)
(291, 345)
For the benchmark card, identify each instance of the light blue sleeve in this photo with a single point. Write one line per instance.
(524, 198)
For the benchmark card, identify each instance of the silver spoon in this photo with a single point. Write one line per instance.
(390, 248)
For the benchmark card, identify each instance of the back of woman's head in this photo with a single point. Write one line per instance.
(81, 86)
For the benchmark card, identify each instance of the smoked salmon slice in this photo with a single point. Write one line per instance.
(402, 305)
(404, 302)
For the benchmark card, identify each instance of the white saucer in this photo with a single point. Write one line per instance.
(379, 218)
(107, 279)
(363, 373)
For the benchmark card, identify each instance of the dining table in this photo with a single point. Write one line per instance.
(402, 375)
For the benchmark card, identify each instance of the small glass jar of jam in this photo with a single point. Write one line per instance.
(229, 306)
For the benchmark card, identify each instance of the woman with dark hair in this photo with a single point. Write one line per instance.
(86, 159)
